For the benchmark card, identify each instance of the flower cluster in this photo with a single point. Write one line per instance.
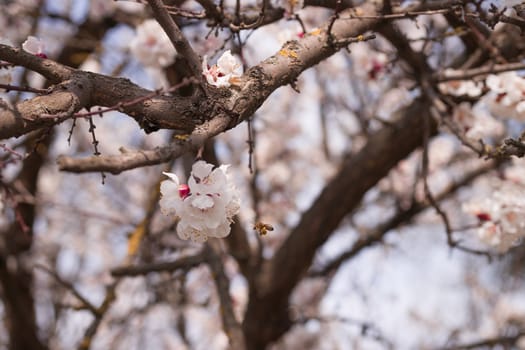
(205, 206)
(151, 46)
(227, 71)
(476, 123)
(507, 95)
(461, 87)
(501, 216)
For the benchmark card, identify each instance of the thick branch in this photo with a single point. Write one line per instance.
(230, 324)
(399, 219)
(52, 70)
(30, 115)
(339, 198)
(227, 108)
(85, 89)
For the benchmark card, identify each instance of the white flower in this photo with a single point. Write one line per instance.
(227, 71)
(501, 216)
(35, 46)
(506, 96)
(205, 206)
(475, 122)
(151, 46)
(461, 87)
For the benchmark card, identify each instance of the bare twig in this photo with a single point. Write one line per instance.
(85, 303)
(185, 263)
(474, 72)
(8, 87)
(504, 340)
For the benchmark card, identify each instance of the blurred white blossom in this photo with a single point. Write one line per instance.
(506, 96)
(368, 63)
(35, 46)
(227, 71)
(151, 46)
(461, 88)
(501, 216)
(205, 206)
(476, 123)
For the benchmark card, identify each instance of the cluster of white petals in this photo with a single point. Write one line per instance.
(476, 123)
(461, 88)
(205, 206)
(35, 46)
(507, 95)
(501, 216)
(151, 46)
(227, 71)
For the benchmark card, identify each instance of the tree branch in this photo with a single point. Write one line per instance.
(181, 263)
(340, 197)
(230, 324)
(50, 69)
(177, 38)
(401, 217)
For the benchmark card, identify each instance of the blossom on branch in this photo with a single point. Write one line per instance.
(227, 71)
(501, 216)
(507, 95)
(468, 88)
(35, 46)
(205, 206)
(151, 46)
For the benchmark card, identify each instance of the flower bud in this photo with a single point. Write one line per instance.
(184, 191)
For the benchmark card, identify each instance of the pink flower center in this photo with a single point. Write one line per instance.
(184, 191)
(376, 68)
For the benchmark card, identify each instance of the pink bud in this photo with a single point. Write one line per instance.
(483, 217)
(300, 35)
(41, 55)
(184, 191)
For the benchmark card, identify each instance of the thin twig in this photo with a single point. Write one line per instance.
(69, 286)
(186, 263)
(466, 74)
